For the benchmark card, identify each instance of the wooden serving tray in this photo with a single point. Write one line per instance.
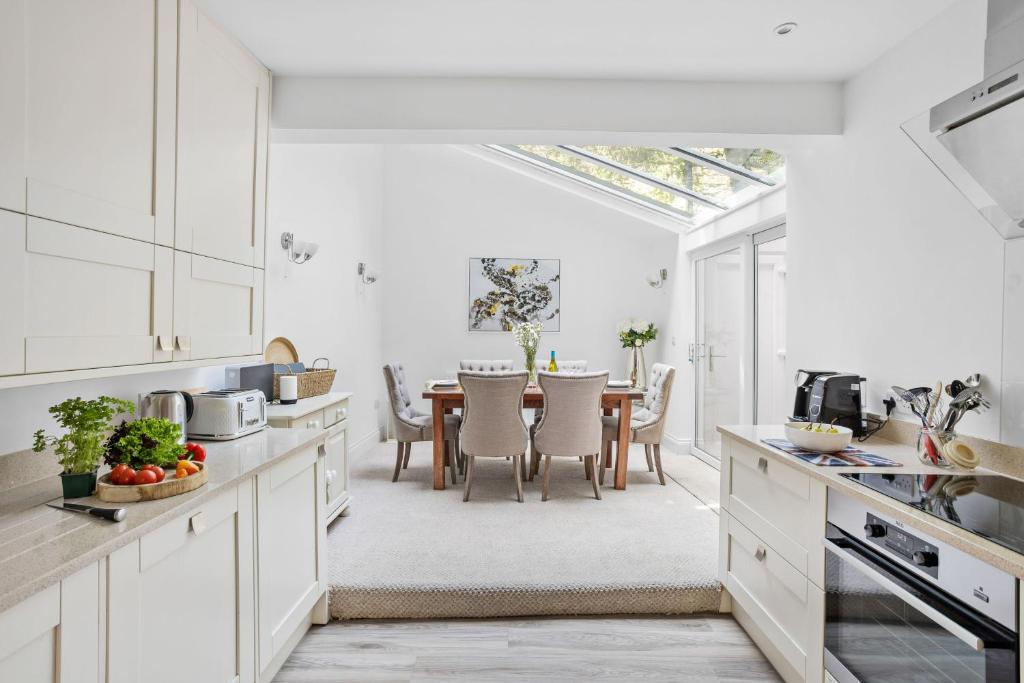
(130, 493)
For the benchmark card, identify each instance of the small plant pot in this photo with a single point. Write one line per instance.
(78, 485)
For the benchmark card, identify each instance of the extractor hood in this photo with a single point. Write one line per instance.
(980, 131)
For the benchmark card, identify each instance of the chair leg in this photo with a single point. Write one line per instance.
(534, 460)
(650, 461)
(591, 460)
(398, 461)
(547, 477)
(518, 470)
(657, 463)
(588, 469)
(408, 450)
(469, 477)
(453, 462)
(603, 459)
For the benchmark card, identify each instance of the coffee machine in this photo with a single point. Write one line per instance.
(827, 396)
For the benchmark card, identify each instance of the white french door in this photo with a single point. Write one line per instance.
(738, 352)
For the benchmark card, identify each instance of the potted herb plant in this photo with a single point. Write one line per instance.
(79, 450)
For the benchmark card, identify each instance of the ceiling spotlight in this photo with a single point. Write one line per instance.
(785, 28)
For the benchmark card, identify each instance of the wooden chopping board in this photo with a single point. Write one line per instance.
(130, 493)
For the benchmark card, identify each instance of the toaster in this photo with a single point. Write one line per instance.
(227, 414)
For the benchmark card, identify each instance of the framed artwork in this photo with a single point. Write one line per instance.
(505, 291)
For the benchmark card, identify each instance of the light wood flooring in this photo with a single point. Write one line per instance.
(710, 649)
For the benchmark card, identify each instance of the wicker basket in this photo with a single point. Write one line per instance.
(312, 382)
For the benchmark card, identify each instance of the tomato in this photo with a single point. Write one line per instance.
(196, 452)
(127, 476)
(157, 470)
(117, 474)
(144, 477)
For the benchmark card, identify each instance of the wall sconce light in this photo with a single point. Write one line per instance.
(298, 252)
(366, 276)
(657, 280)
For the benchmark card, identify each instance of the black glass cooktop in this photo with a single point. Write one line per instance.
(988, 505)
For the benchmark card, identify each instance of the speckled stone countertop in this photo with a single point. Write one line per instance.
(305, 405)
(39, 545)
(996, 555)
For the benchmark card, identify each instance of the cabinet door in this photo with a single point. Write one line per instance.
(223, 122)
(218, 308)
(290, 536)
(337, 466)
(182, 598)
(87, 118)
(77, 298)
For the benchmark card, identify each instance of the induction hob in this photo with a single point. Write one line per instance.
(989, 505)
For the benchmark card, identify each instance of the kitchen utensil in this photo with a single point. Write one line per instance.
(173, 406)
(131, 493)
(228, 414)
(935, 403)
(112, 514)
(281, 350)
(820, 442)
(960, 454)
(955, 387)
(973, 381)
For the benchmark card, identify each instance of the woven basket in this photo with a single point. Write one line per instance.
(312, 382)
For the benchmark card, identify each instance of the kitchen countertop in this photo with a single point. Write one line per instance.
(305, 405)
(992, 553)
(39, 545)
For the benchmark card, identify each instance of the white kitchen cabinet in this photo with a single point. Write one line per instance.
(181, 599)
(53, 636)
(336, 464)
(223, 124)
(291, 552)
(87, 117)
(77, 298)
(218, 308)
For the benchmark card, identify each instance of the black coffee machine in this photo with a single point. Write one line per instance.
(827, 395)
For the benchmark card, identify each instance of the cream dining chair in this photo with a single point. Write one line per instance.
(569, 367)
(486, 366)
(647, 422)
(411, 425)
(492, 422)
(571, 426)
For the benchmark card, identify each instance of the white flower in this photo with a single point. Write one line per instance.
(527, 335)
(640, 325)
(625, 326)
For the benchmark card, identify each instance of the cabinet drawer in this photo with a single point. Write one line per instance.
(783, 506)
(313, 420)
(783, 604)
(335, 413)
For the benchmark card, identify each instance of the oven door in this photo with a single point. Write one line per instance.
(883, 623)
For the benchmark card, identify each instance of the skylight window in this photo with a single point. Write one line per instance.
(692, 184)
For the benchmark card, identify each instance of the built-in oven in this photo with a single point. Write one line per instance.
(902, 607)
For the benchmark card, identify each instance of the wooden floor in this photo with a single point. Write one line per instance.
(698, 649)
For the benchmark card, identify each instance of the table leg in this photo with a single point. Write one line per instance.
(622, 459)
(438, 415)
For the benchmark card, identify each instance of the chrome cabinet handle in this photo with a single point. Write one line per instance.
(762, 464)
(760, 553)
(313, 424)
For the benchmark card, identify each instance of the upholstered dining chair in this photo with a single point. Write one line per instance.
(571, 425)
(486, 366)
(412, 425)
(570, 367)
(647, 423)
(492, 422)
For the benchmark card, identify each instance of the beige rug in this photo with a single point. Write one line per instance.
(407, 551)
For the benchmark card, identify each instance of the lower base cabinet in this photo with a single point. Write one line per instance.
(52, 637)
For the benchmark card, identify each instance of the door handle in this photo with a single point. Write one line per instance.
(163, 343)
(184, 342)
(762, 464)
(760, 553)
(197, 523)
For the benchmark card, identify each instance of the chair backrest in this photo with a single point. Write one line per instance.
(486, 366)
(568, 367)
(572, 413)
(656, 398)
(398, 391)
(492, 422)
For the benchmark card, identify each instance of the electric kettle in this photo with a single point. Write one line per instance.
(175, 406)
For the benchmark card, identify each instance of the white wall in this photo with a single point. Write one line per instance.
(446, 205)
(876, 232)
(332, 195)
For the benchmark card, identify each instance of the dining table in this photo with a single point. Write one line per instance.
(445, 400)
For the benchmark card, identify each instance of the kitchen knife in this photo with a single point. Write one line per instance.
(113, 514)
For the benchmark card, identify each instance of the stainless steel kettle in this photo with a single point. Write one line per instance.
(175, 406)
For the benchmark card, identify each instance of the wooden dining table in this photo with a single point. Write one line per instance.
(445, 399)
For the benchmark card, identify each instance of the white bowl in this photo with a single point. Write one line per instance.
(819, 442)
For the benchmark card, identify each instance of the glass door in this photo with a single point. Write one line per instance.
(773, 391)
(718, 351)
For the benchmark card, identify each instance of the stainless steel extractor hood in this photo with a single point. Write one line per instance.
(980, 131)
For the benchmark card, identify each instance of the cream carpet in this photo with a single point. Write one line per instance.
(407, 551)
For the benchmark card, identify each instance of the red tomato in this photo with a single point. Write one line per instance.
(145, 477)
(117, 474)
(196, 452)
(127, 476)
(156, 469)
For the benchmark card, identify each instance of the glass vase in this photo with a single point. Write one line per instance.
(531, 364)
(637, 367)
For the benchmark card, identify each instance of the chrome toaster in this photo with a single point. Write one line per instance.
(227, 414)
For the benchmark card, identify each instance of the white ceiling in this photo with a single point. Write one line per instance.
(635, 39)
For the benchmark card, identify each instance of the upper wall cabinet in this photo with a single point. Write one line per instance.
(223, 123)
(87, 116)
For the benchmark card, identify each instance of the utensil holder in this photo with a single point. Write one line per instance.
(927, 450)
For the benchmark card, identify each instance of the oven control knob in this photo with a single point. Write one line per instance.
(874, 530)
(925, 558)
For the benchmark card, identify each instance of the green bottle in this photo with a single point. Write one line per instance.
(552, 366)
